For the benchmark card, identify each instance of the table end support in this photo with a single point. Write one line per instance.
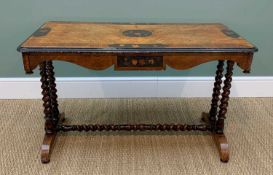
(47, 147)
(216, 94)
(48, 143)
(219, 139)
(225, 98)
(222, 146)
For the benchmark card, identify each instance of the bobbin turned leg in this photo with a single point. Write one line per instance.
(225, 97)
(50, 109)
(216, 94)
(217, 123)
(219, 136)
(210, 118)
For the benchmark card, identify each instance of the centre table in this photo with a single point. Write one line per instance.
(136, 46)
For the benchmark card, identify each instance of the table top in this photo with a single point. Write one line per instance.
(128, 37)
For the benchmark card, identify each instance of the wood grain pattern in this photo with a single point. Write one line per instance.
(47, 147)
(222, 146)
(97, 45)
(181, 61)
(112, 37)
(100, 61)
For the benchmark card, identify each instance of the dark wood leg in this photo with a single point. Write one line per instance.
(49, 118)
(53, 90)
(217, 122)
(210, 118)
(216, 93)
(225, 97)
(219, 136)
(50, 108)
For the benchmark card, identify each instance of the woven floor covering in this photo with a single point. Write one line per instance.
(248, 129)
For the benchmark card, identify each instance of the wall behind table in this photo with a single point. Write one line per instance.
(252, 19)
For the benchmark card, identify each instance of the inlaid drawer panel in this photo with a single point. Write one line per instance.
(139, 63)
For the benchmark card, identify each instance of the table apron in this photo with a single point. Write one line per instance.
(140, 61)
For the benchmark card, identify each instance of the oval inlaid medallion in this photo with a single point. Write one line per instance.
(137, 33)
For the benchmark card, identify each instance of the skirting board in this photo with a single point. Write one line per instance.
(128, 87)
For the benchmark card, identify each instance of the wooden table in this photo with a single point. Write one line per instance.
(130, 46)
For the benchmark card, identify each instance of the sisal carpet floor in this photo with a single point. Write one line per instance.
(249, 132)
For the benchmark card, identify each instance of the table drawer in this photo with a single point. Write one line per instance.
(139, 63)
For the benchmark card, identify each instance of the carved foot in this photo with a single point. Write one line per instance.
(47, 147)
(222, 145)
(220, 140)
(48, 143)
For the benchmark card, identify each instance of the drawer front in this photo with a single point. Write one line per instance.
(139, 63)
